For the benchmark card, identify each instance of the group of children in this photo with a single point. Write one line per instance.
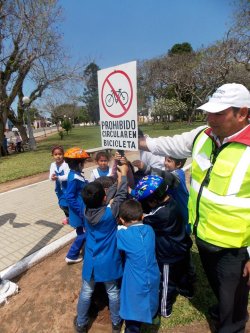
(134, 229)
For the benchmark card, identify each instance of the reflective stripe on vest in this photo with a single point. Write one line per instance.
(224, 202)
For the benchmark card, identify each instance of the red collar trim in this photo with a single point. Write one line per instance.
(243, 137)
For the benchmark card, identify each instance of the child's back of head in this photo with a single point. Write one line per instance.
(131, 211)
(106, 181)
(93, 195)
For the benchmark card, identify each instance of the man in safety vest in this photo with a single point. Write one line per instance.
(219, 201)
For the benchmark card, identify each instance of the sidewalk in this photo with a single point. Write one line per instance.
(31, 219)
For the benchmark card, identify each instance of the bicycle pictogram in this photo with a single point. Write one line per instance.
(112, 98)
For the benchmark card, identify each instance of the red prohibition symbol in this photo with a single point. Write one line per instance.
(117, 96)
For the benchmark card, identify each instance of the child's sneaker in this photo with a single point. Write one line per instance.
(65, 221)
(73, 261)
(167, 313)
(80, 328)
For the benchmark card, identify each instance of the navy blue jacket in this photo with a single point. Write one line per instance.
(172, 241)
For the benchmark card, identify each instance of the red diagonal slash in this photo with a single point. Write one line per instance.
(125, 110)
(116, 95)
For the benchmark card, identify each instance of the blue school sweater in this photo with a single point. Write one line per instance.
(76, 183)
(141, 277)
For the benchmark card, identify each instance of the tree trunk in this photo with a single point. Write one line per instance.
(22, 131)
(1, 133)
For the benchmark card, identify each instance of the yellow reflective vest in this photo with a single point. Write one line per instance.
(219, 202)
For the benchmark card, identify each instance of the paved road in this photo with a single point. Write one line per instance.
(30, 219)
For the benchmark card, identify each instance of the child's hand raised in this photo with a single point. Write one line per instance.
(117, 156)
(122, 170)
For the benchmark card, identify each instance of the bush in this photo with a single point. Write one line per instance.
(61, 134)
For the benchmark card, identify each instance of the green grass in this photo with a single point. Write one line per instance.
(30, 163)
(187, 311)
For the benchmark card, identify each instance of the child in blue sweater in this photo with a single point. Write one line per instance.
(102, 260)
(172, 241)
(141, 277)
(75, 157)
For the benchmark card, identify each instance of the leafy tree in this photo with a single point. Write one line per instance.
(83, 115)
(30, 50)
(180, 49)
(90, 93)
(168, 109)
(67, 125)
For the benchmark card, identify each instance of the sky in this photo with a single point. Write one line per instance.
(113, 32)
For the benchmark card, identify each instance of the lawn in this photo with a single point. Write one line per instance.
(187, 311)
(25, 164)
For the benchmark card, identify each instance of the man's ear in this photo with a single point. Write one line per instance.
(243, 114)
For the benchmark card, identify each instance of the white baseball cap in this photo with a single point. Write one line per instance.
(229, 94)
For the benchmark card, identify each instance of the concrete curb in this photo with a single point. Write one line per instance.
(36, 257)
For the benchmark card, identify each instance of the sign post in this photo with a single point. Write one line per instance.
(117, 89)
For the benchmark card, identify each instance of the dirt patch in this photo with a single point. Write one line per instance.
(48, 297)
(47, 300)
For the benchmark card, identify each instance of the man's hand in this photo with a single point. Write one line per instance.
(246, 272)
(138, 164)
(142, 143)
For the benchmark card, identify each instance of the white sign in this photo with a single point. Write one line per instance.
(117, 88)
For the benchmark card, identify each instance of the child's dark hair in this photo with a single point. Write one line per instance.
(106, 181)
(93, 195)
(178, 161)
(131, 210)
(101, 154)
(57, 147)
(73, 163)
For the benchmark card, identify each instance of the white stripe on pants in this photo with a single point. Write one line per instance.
(165, 274)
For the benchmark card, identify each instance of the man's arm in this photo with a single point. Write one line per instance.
(178, 146)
